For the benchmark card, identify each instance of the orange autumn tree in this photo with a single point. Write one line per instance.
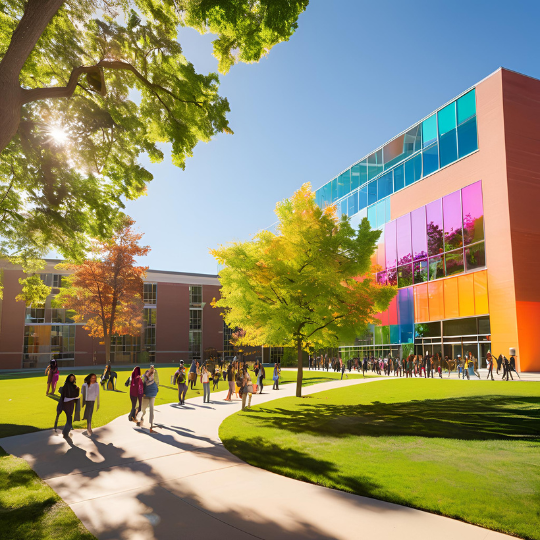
(106, 290)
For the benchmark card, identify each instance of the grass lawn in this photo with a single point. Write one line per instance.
(26, 407)
(29, 508)
(465, 449)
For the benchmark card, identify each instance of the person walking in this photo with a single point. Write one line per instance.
(261, 375)
(136, 391)
(215, 378)
(247, 389)
(180, 380)
(52, 373)
(108, 376)
(275, 377)
(489, 361)
(343, 367)
(230, 378)
(193, 373)
(513, 366)
(499, 363)
(69, 396)
(151, 389)
(205, 380)
(507, 369)
(90, 395)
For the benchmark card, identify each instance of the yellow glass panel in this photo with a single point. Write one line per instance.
(436, 300)
(481, 306)
(451, 299)
(466, 295)
(421, 307)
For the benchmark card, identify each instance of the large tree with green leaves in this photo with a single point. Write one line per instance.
(310, 284)
(87, 86)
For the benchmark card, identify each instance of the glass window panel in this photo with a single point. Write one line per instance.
(390, 243)
(391, 276)
(430, 157)
(381, 278)
(460, 327)
(420, 271)
(475, 256)
(327, 194)
(373, 169)
(447, 118)
(344, 184)
(413, 169)
(355, 176)
(467, 137)
(352, 204)
(436, 300)
(343, 206)
(372, 216)
(480, 293)
(421, 305)
(436, 268)
(394, 334)
(399, 178)
(484, 326)
(451, 305)
(454, 262)
(372, 192)
(385, 334)
(473, 213)
(195, 294)
(363, 171)
(334, 187)
(466, 295)
(388, 209)
(429, 130)
(434, 227)
(363, 197)
(385, 186)
(378, 335)
(381, 213)
(405, 276)
(466, 106)
(419, 233)
(403, 236)
(453, 226)
(150, 293)
(381, 253)
(448, 148)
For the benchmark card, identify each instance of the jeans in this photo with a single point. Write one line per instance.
(69, 424)
(148, 402)
(182, 391)
(206, 392)
(276, 384)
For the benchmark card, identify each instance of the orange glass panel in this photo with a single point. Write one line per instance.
(466, 295)
(481, 306)
(381, 256)
(421, 308)
(451, 302)
(436, 300)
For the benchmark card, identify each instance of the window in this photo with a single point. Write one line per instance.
(195, 343)
(436, 268)
(399, 178)
(420, 271)
(150, 338)
(35, 315)
(352, 203)
(430, 159)
(434, 227)
(453, 224)
(195, 319)
(454, 262)
(150, 293)
(63, 341)
(429, 131)
(56, 281)
(149, 317)
(62, 316)
(195, 294)
(344, 184)
(475, 256)
(404, 275)
(372, 192)
(473, 213)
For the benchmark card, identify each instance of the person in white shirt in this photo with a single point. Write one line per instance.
(90, 394)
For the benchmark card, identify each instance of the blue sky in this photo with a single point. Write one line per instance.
(354, 75)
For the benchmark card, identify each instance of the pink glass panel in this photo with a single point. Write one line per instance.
(434, 227)
(404, 239)
(390, 244)
(419, 233)
(473, 213)
(453, 226)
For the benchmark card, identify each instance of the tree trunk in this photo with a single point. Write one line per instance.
(300, 373)
(108, 349)
(10, 109)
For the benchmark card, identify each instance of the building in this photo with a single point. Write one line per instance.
(179, 323)
(456, 197)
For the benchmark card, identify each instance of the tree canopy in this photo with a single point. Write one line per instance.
(88, 86)
(310, 284)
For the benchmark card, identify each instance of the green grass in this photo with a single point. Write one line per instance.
(465, 449)
(26, 407)
(29, 508)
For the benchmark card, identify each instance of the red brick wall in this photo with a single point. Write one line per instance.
(12, 323)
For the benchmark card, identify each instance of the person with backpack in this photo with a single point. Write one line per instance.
(180, 380)
(151, 389)
(136, 391)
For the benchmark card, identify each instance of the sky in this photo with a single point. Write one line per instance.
(354, 75)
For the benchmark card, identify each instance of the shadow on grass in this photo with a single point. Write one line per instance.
(469, 418)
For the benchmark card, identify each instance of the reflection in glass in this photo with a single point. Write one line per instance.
(362, 197)
(419, 233)
(333, 185)
(454, 262)
(355, 176)
(405, 276)
(434, 227)
(436, 268)
(467, 137)
(429, 130)
(391, 276)
(420, 271)
(448, 147)
(343, 207)
(399, 178)
(390, 242)
(353, 204)
(404, 239)
(385, 186)
(453, 226)
(363, 171)
(473, 213)
(372, 192)
(447, 119)
(430, 159)
(413, 169)
(402, 147)
(475, 256)
(466, 106)
(372, 216)
(381, 278)
(375, 165)
(344, 184)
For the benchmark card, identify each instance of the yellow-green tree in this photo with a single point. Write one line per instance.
(309, 284)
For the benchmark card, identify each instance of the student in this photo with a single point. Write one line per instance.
(247, 389)
(260, 378)
(180, 380)
(215, 378)
(52, 373)
(513, 366)
(275, 377)
(230, 378)
(499, 363)
(205, 379)
(489, 361)
(136, 390)
(151, 389)
(69, 396)
(90, 395)
(108, 375)
(193, 373)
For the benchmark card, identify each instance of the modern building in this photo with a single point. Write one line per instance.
(179, 323)
(456, 197)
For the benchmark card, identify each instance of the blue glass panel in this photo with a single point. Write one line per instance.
(344, 184)
(399, 178)
(467, 137)
(413, 169)
(448, 147)
(372, 192)
(372, 216)
(352, 203)
(381, 213)
(363, 171)
(431, 159)
(417, 167)
(466, 106)
(394, 334)
(362, 197)
(385, 186)
(334, 190)
(429, 130)
(343, 207)
(388, 210)
(447, 119)
(318, 197)
(327, 194)
(355, 176)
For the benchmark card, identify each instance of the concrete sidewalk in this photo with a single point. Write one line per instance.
(180, 482)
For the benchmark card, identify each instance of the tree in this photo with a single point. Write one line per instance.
(309, 285)
(87, 86)
(106, 291)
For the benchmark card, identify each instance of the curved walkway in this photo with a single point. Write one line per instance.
(180, 482)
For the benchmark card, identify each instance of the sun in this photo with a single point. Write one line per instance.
(58, 135)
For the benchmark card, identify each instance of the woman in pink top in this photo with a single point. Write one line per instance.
(136, 391)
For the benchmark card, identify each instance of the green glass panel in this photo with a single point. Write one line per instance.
(355, 176)
(363, 171)
(344, 184)
(334, 189)
(466, 106)
(447, 118)
(429, 130)
(385, 335)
